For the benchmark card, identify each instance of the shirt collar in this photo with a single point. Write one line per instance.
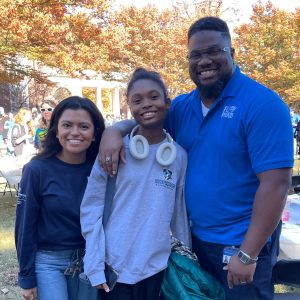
(234, 84)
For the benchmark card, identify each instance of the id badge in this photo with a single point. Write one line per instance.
(228, 252)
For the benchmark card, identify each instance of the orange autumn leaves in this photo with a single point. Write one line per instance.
(268, 49)
(74, 36)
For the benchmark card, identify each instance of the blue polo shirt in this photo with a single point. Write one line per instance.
(246, 132)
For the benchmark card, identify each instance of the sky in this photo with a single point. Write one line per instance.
(245, 7)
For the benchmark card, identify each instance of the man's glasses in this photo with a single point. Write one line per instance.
(46, 109)
(210, 53)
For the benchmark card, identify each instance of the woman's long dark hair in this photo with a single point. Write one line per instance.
(52, 145)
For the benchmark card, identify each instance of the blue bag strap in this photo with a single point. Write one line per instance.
(109, 195)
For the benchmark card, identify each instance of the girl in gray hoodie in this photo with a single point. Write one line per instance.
(148, 203)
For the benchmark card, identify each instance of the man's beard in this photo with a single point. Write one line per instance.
(212, 91)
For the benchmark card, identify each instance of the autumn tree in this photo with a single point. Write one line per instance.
(156, 39)
(74, 36)
(268, 49)
(147, 37)
(27, 90)
(64, 34)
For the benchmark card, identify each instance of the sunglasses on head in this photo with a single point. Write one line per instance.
(46, 109)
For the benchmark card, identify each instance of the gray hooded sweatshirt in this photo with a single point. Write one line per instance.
(147, 206)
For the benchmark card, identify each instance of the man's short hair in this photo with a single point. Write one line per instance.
(210, 23)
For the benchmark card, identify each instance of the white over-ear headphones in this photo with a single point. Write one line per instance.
(139, 148)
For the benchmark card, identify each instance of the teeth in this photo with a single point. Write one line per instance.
(74, 142)
(148, 114)
(207, 73)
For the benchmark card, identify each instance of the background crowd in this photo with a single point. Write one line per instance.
(22, 133)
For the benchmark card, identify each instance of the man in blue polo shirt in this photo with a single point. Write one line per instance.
(238, 135)
(239, 140)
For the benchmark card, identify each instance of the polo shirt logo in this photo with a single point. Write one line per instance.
(228, 112)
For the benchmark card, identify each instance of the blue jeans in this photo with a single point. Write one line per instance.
(50, 267)
(262, 288)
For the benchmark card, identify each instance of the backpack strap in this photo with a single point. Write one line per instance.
(109, 195)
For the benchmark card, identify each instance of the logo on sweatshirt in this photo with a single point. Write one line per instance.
(167, 174)
(166, 182)
(21, 198)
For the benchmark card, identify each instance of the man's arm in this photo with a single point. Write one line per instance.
(112, 147)
(268, 205)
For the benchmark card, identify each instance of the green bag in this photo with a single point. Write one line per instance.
(186, 280)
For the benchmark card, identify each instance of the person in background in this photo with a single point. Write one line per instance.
(35, 117)
(8, 126)
(239, 163)
(21, 134)
(137, 239)
(46, 108)
(2, 129)
(297, 139)
(108, 120)
(47, 230)
(295, 119)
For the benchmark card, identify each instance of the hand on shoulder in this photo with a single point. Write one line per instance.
(111, 149)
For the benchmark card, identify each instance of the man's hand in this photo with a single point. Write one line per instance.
(238, 273)
(111, 149)
(103, 286)
(29, 294)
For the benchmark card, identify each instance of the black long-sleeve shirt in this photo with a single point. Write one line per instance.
(48, 211)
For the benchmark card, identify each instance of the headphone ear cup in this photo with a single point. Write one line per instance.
(139, 147)
(166, 154)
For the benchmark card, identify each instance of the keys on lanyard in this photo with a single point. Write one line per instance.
(75, 267)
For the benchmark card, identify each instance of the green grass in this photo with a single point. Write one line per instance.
(7, 219)
(8, 260)
(8, 276)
